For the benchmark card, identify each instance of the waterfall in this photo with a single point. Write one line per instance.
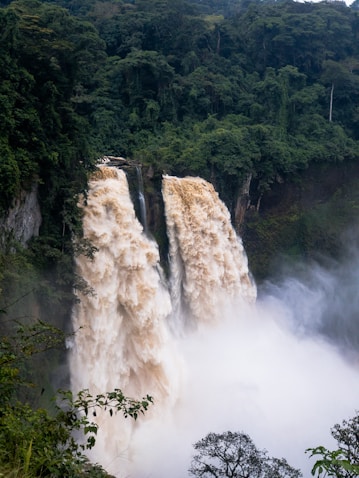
(239, 365)
(208, 261)
(141, 199)
(121, 338)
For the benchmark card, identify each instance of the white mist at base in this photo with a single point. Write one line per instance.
(247, 370)
(251, 374)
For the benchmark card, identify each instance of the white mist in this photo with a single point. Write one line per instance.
(239, 366)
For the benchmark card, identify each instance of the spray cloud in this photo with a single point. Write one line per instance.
(241, 366)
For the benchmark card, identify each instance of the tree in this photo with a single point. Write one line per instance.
(334, 74)
(343, 462)
(233, 454)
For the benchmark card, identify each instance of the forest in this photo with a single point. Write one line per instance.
(230, 91)
(254, 88)
(256, 92)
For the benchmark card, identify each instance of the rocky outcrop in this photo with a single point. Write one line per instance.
(23, 220)
(307, 218)
(242, 203)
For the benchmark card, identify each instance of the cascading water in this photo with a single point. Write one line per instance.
(141, 199)
(121, 339)
(208, 262)
(239, 367)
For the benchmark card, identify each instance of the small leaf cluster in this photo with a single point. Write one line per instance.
(333, 463)
(343, 462)
(113, 402)
(77, 410)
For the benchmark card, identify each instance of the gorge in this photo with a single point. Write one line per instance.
(213, 357)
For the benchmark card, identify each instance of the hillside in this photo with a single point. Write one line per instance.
(241, 93)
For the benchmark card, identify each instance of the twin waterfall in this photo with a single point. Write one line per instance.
(212, 355)
(208, 262)
(126, 328)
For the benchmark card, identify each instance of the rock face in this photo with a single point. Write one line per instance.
(23, 220)
(307, 218)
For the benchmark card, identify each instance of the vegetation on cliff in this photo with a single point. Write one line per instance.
(261, 88)
(220, 89)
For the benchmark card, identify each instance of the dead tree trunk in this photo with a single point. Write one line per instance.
(243, 202)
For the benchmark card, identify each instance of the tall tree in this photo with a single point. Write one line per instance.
(337, 76)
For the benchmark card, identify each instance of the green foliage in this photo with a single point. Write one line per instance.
(10, 177)
(343, 462)
(333, 463)
(48, 55)
(69, 89)
(32, 441)
(19, 348)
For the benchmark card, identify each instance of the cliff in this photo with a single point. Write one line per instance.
(23, 219)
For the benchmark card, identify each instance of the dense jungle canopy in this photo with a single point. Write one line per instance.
(220, 89)
(228, 90)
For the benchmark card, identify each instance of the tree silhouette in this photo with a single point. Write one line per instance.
(233, 454)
